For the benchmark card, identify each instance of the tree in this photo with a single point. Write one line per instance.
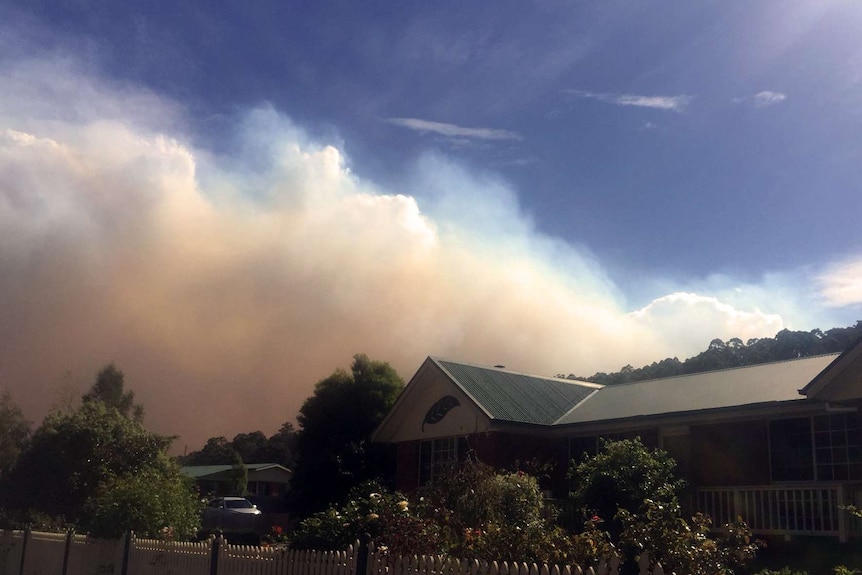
(336, 422)
(238, 484)
(82, 466)
(282, 446)
(109, 389)
(152, 503)
(216, 451)
(251, 447)
(14, 431)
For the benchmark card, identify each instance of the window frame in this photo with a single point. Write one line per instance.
(833, 447)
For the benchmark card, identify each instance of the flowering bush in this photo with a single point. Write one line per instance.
(387, 517)
(486, 514)
(684, 546)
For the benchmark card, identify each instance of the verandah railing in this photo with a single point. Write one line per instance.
(782, 509)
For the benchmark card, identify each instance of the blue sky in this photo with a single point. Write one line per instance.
(555, 186)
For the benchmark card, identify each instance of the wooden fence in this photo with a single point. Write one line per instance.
(35, 553)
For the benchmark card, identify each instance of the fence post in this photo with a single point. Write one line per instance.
(69, 537)
(362, 554)
(127, 549)
(214, 555)
(24, 551)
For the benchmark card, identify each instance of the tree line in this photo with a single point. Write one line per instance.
(734, 352)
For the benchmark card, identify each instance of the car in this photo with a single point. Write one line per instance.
(231, 506)
(231, 514)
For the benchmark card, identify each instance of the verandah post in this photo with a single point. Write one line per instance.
(842, 514)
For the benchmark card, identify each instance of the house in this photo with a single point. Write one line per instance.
(264, 479)
(779, 444)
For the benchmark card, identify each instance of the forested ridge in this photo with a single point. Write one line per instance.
(734, 352)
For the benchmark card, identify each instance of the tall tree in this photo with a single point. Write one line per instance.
(216, 451)
(282, 446)
(251, 447)
(14, 431)
(334, 452)
(109, 388)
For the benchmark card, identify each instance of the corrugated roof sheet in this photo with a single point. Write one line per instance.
(518, 397)
(780, 381)
(198, 471)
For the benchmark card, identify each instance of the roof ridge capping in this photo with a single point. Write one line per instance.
(723, 369)
(584, 382)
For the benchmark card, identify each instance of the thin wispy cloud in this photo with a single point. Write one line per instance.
(763, 99)
(671, 103)
(766, 98)
(452, 130)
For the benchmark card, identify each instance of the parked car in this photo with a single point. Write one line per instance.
(231, 514)
(231, 505)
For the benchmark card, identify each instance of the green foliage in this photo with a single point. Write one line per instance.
(14, 432)
(252, 447)
(216, 451)
(637, 490)
(489, 514)
(156, 502)
(622, 476)
(97, 469)
(473, 512)
(682, 546)
(371, 508)
(788, 571)
(334, 453)
(109, 388)
(238, 484)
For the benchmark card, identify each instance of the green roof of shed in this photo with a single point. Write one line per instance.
(511, 396)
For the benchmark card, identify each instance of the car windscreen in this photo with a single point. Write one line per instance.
(237, 504)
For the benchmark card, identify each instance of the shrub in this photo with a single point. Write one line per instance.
(387, 517)
(621, 476)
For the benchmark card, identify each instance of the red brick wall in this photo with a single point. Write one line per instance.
(407, 466)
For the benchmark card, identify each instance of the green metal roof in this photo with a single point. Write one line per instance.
(511, 396)
(199, 471)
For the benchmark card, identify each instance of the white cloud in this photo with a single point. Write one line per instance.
(766, 98)
(452, 130)
(841, 284)
(670, 103)
(688, 321)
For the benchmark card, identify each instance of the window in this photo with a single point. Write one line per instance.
(819, 448)
(836, 441)
(437, 455)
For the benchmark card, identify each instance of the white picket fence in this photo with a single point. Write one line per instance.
(382, 564)
(35, 553)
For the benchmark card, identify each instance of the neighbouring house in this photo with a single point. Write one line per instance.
(264, 479)
(779, 444)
